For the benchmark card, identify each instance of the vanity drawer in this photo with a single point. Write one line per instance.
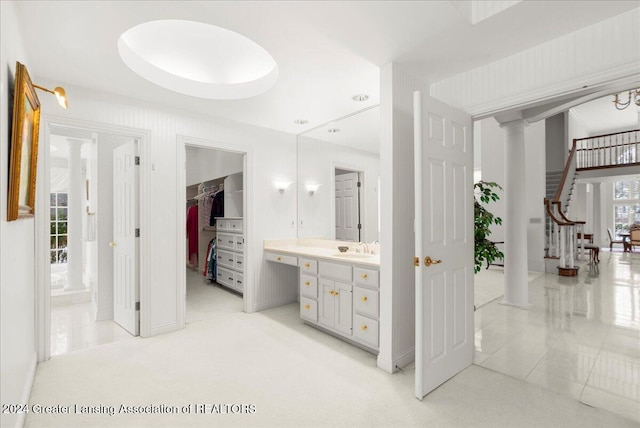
(226, 277)
(226, 240)
(239, 242)
(227, 259)
(308, 265)
(281, 258)
(308, 286)
(365, 330)
(334, 270)
(239, 262)
(239, 281)
(309, 309)
(235, 225)
(366, 276)
(365, 302)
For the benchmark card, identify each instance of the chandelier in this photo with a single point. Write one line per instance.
(632, 96)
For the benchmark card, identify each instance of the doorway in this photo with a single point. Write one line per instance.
(348, 194)
(81, 228)
(213, 203)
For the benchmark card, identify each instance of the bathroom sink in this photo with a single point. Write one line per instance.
(353, 255)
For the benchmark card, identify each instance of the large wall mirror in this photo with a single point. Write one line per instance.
(339, 179)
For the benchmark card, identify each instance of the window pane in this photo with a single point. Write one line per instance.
(62, 199)
(634, 190)
(53, 257)
(621, 190)
(62, 256)
(52, 199)
(53, 242)
(62, 228)
(62, 241)
(62, 214)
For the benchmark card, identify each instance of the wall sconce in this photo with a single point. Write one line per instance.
(60, 94)
(281, 185)
(312, 187)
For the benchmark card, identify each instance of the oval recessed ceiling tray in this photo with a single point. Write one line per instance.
(198, 59)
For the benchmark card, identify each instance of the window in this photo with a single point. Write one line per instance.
(58, 233)
(626, 205)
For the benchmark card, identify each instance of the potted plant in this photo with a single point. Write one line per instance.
(485, 250)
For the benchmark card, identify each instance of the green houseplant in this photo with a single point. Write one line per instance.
(485, 250)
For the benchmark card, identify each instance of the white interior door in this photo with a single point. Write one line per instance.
(444, 234)
(126, 287)
(347, 207)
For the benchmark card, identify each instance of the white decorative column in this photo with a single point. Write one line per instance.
(597, 215)
(74, 218)
(516, 286)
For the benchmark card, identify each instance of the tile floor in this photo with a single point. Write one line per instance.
(581, 337)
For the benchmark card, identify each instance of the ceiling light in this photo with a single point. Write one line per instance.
(633, 94)
(300, 121)
(60, 94)
(333, 130)
(360, 97)
(198, 59)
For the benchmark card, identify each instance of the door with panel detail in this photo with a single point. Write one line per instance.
(126, 289)
(443, 153)
(347, 207)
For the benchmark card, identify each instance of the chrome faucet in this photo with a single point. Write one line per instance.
(366, 247)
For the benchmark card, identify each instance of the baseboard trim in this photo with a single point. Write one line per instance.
(274, 303)
(400, 361)
(26, 392)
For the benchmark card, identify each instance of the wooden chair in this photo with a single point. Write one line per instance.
(612, 241)
(634, 239)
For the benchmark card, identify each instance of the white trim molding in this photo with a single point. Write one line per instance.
(603, 52)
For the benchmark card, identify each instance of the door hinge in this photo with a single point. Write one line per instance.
(137, 306)
(137, 160)
(359, 226)
(416, 261)
(359, 184)
(137, 232)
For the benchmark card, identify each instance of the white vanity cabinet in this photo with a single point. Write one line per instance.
(230, 253)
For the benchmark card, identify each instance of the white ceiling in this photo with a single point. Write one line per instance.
(601, 117)
(326, 51)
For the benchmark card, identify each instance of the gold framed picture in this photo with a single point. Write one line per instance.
(23, 148)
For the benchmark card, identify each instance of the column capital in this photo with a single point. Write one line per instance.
(514, 125)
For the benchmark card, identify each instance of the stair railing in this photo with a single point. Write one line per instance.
(562, 241)
(609, 150)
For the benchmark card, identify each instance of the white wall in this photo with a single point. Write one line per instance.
(492, 164)
(576, 128)
(556, 142)
(274, 216)
(17, 278)
(206, 164)
(316, 161)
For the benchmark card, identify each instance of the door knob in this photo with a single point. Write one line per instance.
(112, 244)
(428, 261)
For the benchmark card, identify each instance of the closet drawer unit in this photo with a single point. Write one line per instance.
(308, 266)
(308, 309)
(226, 259)
(238, 240)
(334, 270)
(308, 286)
(239, 281)
(281, 258)
(239, 262)
(365, 330)
(365, 276)
(226, 240)
(222, 224)
(234, 225)
(226, 277)
(365, 302)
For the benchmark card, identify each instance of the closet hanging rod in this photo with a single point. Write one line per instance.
(209, 189)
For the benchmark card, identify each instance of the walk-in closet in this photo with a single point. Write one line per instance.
(215, 233)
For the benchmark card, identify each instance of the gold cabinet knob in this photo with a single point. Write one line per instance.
(307, 265)
(363, 328)
(112, 244)
(364, 298)
(363, 276)
(307, 307)
(428, 261)
(279, 258)
(335, 293)
(307, 283)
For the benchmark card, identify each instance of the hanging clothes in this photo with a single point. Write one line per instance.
(217, 207)
(192, 231)
(211, 265)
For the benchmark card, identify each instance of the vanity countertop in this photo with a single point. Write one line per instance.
(324, 249)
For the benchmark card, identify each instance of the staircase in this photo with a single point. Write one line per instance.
(553, 182)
